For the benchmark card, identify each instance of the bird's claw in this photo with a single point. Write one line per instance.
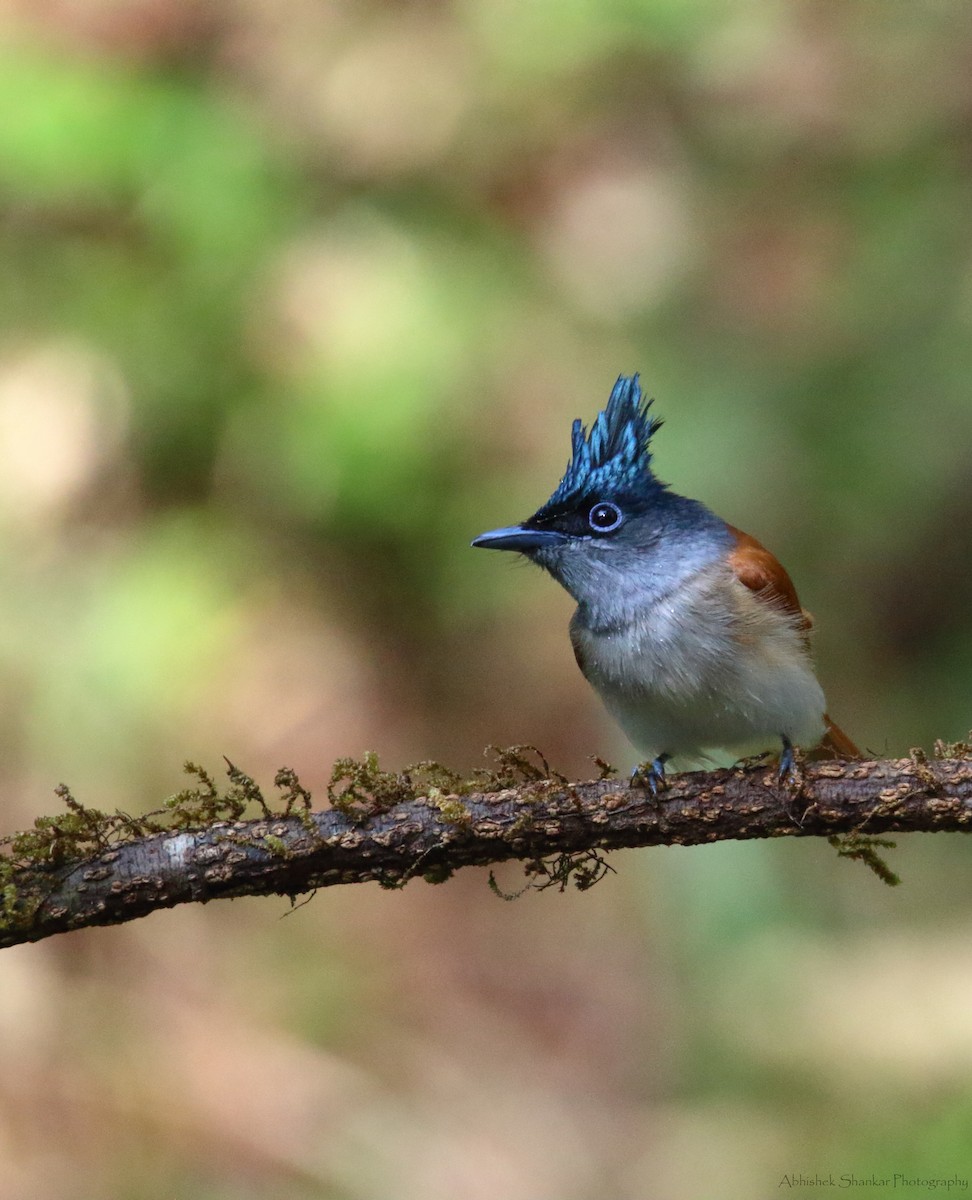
(651, 775)
(790, 774)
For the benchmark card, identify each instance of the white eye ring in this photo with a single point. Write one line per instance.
(605, 517)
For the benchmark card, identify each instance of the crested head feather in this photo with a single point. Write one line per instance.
(614, 458)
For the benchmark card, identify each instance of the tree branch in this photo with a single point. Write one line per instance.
(433, 834)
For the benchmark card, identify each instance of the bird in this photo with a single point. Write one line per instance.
(689, 630)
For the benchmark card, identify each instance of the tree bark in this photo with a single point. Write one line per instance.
(433, 835)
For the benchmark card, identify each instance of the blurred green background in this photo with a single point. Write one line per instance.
(295, 299)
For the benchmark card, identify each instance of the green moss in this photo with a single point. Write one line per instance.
(433, 775)
(865, 849)
(605, 770)
(360, 789)
(83, 832)
(513, 769)
(525, 822)
(357, 787)
(451, 808)
(583, 868)
(241, 793)
(952, 749)
(196, 807)
(438, 874)
(295, 797)
(495, 888)
(19, 896)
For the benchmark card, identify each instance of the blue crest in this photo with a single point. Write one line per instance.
(614, 458)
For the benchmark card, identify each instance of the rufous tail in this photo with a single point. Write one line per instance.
(835, 743)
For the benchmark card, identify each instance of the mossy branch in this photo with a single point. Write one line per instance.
(85, 867)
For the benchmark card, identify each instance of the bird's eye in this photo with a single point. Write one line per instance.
(604, 517)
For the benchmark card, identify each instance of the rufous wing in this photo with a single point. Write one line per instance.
(762, 572)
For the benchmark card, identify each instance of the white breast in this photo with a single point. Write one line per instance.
(711, 666)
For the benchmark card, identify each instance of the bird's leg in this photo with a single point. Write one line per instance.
(653, 777)
(789, 772)
(790, 776)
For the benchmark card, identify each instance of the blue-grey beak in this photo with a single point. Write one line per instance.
(517, 537)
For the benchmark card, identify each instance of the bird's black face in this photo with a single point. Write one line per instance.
(552, 527)
(586, 517)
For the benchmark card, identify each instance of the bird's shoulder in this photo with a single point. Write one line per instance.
(759, 570)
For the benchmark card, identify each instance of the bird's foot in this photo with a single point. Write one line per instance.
(651, 775)
(790, 776)
(790, 773)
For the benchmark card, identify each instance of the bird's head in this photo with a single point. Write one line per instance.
(601, 515)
